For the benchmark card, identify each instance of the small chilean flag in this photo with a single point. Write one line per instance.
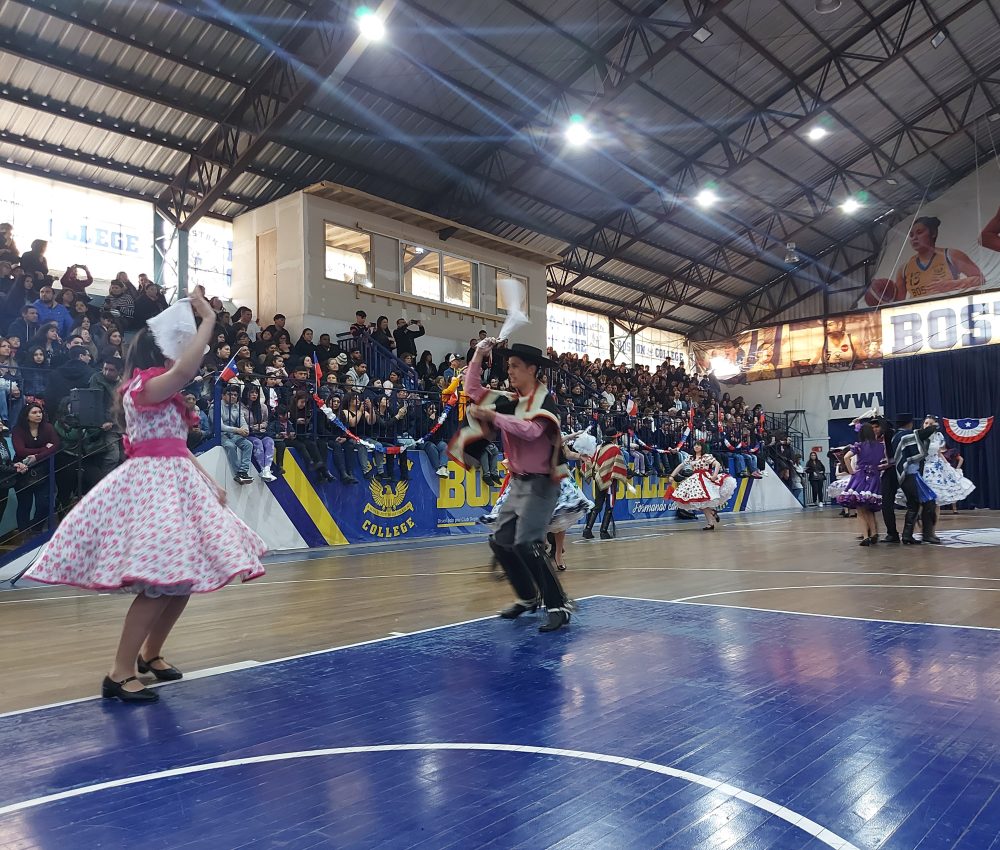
(631, 408)
(317, 371)
(229, 372)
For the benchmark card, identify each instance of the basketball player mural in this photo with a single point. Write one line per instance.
(930, 271)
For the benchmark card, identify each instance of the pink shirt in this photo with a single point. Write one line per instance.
(527, 443)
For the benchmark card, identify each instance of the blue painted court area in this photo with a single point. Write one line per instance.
(643, 725)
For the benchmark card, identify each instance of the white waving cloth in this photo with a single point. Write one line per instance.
(174, 328)
(514, 298)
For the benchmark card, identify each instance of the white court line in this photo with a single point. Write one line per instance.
(818, 586)
(258, 584)
(798, 613)
(805, 824)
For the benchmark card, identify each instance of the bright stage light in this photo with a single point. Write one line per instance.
(370, 24)
(706, 198)
(577, 131)
(851, 205)
(723, 368)
(817, 133)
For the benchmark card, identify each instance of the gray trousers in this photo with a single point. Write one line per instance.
(526, 512)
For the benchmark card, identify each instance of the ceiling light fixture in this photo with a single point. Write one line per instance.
(706, 198)
(577, 131)
(701, 35)
(851, 205)
(791, 255)
(892, 181)
(825, 7)
(370, 24)
(938, 39)
(817, 133)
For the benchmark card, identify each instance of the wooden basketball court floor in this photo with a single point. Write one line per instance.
(770, 684)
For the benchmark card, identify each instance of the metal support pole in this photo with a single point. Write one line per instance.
(182, 263)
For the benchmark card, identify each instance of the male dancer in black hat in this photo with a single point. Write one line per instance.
(529, 422)
(890, 480)
(606, 468)
(909, 448)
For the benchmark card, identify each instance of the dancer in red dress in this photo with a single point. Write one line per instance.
(157, 526)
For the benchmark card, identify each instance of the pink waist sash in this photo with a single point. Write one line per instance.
(159, 447)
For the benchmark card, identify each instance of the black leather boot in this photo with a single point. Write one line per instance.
(540, 567)
(606, 524)
(908, 524)
(520, 579)
(588, 532)
(928, 519)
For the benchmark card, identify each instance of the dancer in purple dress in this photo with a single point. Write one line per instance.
(864, 460)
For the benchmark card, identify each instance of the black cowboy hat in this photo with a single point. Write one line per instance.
(903, 419)
(529, 354)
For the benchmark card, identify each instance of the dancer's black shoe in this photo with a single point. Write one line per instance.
(512, 612)
(170, 674)
(554, 620)
(110, 689)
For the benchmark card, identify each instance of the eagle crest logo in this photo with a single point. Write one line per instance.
(387, 500)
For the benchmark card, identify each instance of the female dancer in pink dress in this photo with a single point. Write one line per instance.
(157, 526)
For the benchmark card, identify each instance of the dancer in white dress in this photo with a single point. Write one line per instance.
(708, 489)
(950, 485)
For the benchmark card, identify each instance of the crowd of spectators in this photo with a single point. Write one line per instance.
(354, 407)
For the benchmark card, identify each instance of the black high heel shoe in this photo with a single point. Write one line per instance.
(171, 674)
(110, 689)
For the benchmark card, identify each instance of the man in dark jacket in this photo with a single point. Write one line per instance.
(405, 337)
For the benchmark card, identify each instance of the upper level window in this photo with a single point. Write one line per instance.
(460, 282)
(348, 255)
(522, 281)
(421, 271)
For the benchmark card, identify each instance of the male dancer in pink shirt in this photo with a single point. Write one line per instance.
(529, 422)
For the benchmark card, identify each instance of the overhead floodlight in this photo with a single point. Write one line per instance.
(371, 25)
(577, 131)
(825, 7)
(817, 133)
(706, 198)
(850, 206)
(938, 38)
(791, 255)
(701, 35)
(892, 181)
(995, 116)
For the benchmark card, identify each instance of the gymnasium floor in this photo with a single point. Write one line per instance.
(769, 685)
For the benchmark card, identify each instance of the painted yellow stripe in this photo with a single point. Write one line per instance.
(310, 500)
(741, 495)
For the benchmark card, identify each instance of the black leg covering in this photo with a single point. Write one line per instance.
(517, 572)
(606, 522)
(533, 556)
(890, 486)
(928, 519)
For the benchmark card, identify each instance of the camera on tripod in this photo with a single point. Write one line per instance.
(86, 408)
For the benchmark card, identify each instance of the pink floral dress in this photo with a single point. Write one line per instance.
(154, 525)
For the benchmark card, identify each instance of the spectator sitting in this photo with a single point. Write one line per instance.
(304, 347)
(326, 349)
(47, 338)
(263, 443)
(120, 304)
(49, 310)
(405, 338)
(299, 381)
(74, 372)
(197, 434)
(359, 374)
(149, 303)
(8, 248)
(112, 349)
(426, 370)
(34, 264)
(6, 277)
(235, 434)
(127, 286)
(36, 374)
(277, 327)
(26, 327)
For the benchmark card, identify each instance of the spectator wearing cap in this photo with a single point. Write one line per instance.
(235, 434)
(49, 310)
(360, 325)
(406, 338)
(455, 364)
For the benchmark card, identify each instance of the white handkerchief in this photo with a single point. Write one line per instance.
(174, 328)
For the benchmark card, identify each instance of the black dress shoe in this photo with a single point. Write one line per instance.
(512, 612)
(171, 674)
(931, 538)
(891, 538)
(606, 536)
(554, 620)
(110, 689)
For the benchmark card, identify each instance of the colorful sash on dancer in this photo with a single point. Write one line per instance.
(468, 445)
